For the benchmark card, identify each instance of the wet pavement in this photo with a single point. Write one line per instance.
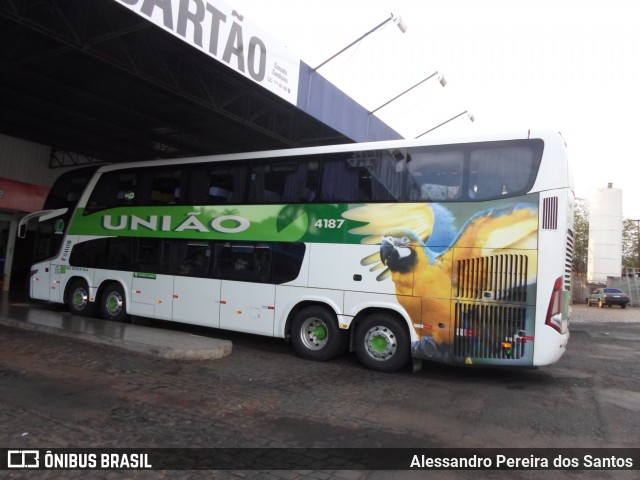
(58, 391)
(154, 341)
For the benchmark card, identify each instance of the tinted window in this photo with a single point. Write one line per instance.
(463, 172)
(284, 181)
(498, 172)
(115, 189)
(67, 189)
(361, 177)
(434, 176)
(195, 259)
(217, 184)
(91, 254)
(245, 262)
(111, 253)
(166, 187)
(287, 260)
(242, 261)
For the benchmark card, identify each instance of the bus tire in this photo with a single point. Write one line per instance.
(382, 343)
(78, 299)
(315, 334)
(113, 303)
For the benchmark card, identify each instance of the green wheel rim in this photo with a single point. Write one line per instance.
(114, 303)
(379, 344)
(321, 332)
(79, 299)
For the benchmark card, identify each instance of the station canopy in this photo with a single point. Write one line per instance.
(126, 80)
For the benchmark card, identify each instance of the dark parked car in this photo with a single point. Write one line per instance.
(608, 297)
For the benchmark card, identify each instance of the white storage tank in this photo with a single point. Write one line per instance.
(605, 235)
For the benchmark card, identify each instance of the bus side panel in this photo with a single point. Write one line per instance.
(40, 283)
(197, 301)
(155, 290)
(288, 296)
(554, 267)
(348, 267)
(247, 307)
(407, 307)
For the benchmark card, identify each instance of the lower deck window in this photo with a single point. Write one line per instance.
(260, 262)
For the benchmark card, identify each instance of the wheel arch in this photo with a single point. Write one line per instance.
(70, 282)
(298, 307)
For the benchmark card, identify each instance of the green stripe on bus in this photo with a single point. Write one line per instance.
(289, 223)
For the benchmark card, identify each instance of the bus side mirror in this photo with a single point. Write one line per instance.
(41, 216)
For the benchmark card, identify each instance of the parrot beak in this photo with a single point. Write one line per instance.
(386, 252)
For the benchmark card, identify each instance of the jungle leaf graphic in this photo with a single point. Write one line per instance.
(289, 215)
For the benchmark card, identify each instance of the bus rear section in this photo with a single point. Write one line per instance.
(489, 286)
(512, 306)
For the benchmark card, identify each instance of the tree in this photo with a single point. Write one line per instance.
(580, 235)
(631, 243)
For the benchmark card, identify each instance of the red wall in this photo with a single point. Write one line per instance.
(20, 196)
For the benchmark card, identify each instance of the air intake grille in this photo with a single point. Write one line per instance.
(550, 213)
(568, 263)
(481, 331)
(497, 277)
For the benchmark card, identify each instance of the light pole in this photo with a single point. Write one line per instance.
(398, 21)
(441, 79)
(471, 117)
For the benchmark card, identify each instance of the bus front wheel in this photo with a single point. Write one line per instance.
(78, 299)
(113, 303)
(381, 343)
(315, 334)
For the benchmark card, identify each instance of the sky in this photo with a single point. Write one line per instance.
(572, 66)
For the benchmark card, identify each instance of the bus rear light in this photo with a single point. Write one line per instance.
(554, 312)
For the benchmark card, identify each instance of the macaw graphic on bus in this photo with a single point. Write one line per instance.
(424, 249)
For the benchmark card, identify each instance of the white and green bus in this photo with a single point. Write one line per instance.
(455, 252)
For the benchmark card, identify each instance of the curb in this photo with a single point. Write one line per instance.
(154, 341)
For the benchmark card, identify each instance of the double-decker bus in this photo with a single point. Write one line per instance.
(455, 252)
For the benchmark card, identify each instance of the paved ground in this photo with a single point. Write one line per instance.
(593, 314)
(59, 392)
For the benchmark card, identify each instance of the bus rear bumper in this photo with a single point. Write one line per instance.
(554, 347)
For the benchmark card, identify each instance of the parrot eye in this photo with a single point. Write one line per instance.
(405, 241)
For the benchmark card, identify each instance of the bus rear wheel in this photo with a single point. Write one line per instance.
(315, 334)
(381, 343)
(78, 299)
(113, 303)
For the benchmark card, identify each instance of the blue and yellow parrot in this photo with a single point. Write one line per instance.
(418, 246)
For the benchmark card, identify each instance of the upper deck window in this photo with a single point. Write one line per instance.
(498, 172)
(434, 176)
